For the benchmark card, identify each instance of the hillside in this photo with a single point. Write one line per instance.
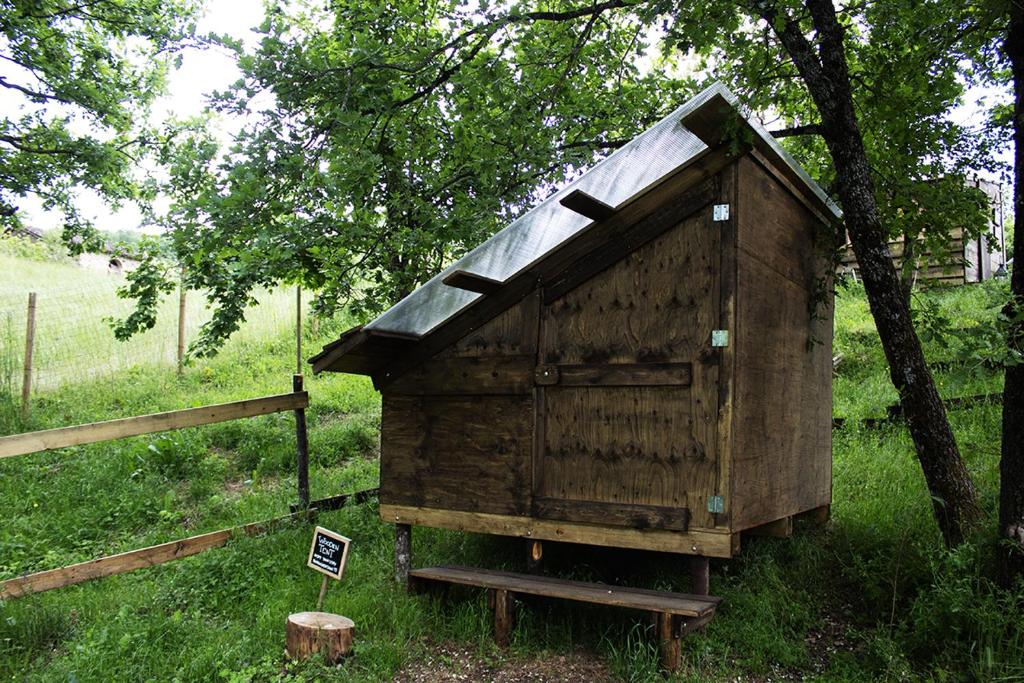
(871, 596)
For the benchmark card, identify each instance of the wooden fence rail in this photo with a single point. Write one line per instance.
(131, 560)
(33, 442)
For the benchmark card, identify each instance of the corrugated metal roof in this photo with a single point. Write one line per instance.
(643, 162)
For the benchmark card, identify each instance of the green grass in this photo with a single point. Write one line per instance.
(871, 596)
(73, 342)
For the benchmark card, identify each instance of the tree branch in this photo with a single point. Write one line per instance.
(19, 144)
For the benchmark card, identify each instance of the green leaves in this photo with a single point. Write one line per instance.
(78, 79)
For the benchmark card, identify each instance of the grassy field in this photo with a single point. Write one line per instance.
(871, 596)
(73, 341)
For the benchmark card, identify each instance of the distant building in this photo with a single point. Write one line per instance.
(966, 259)
(108, 262)
(24, 233)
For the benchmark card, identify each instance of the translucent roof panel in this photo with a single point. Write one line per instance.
(641, 163)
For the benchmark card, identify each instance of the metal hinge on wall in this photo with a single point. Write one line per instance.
(720, 212)
(719, 338)
(716, 504)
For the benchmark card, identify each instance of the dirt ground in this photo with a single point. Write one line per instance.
(449, 662)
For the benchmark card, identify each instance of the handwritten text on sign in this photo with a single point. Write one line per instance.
(328, 553)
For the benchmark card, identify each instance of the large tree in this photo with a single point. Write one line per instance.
(76, 79)
(398, 136)
(1011, 465)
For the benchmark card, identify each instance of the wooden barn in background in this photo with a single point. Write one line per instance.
(643, 360)
(967, 259)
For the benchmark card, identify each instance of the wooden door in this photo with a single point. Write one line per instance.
(626, 395)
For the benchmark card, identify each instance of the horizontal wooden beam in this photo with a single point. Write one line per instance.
(339, 501)
(617, 514)
(615, 375)
(780, 528)
(706, 542)
(471, 282)
(33, 442)
(501, 375)
(585, 205)
(131, 560)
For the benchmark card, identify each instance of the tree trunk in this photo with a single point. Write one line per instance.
(1011, 464)
(307, 633)
(824, 70)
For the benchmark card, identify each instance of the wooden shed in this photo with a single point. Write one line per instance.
(643, 360)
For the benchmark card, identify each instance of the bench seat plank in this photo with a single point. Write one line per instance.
(681, 604)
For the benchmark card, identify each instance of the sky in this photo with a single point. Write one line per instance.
(205, 71)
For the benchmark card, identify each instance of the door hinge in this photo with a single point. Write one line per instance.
(719, 338)
(721, 212)
(716, 504)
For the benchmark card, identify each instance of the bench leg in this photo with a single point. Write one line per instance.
(700, 578)
(403, 553)
(502, 617)
(668, 641)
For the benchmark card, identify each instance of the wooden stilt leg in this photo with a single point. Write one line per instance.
(668, 641)
(403, 553)
(502, 617)
(699, 576)
(534, 556)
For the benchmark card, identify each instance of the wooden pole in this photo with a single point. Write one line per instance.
(181, 324)
(502, 618)
(534, 556)
(323, 594)
(298, 330)
(700, 578)
(302, 447)
(30, 336)
(668, 641)
(403, 553)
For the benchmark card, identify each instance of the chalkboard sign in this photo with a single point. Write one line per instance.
(328, 553)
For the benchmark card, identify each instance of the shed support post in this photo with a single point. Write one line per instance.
(534, 556)
(403, 553)
(667, 627)
(700, 579)
(502, 617)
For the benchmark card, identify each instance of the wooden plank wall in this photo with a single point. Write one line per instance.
(636, 445)
(782, 412)
(457, 431)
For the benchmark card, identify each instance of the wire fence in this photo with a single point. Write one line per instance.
(74, 342)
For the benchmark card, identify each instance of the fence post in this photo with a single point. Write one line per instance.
(302, 448)
(298, 330)
(30, 336)
(181, 324)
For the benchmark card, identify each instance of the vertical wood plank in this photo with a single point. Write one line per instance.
(726, 356)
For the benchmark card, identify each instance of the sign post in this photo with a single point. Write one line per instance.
(327, 554)
(310, 632)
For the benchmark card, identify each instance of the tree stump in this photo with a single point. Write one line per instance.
(307, 633)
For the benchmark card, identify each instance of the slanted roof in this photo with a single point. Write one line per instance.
(711, 119)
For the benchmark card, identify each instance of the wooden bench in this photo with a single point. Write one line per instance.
(675, 613)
